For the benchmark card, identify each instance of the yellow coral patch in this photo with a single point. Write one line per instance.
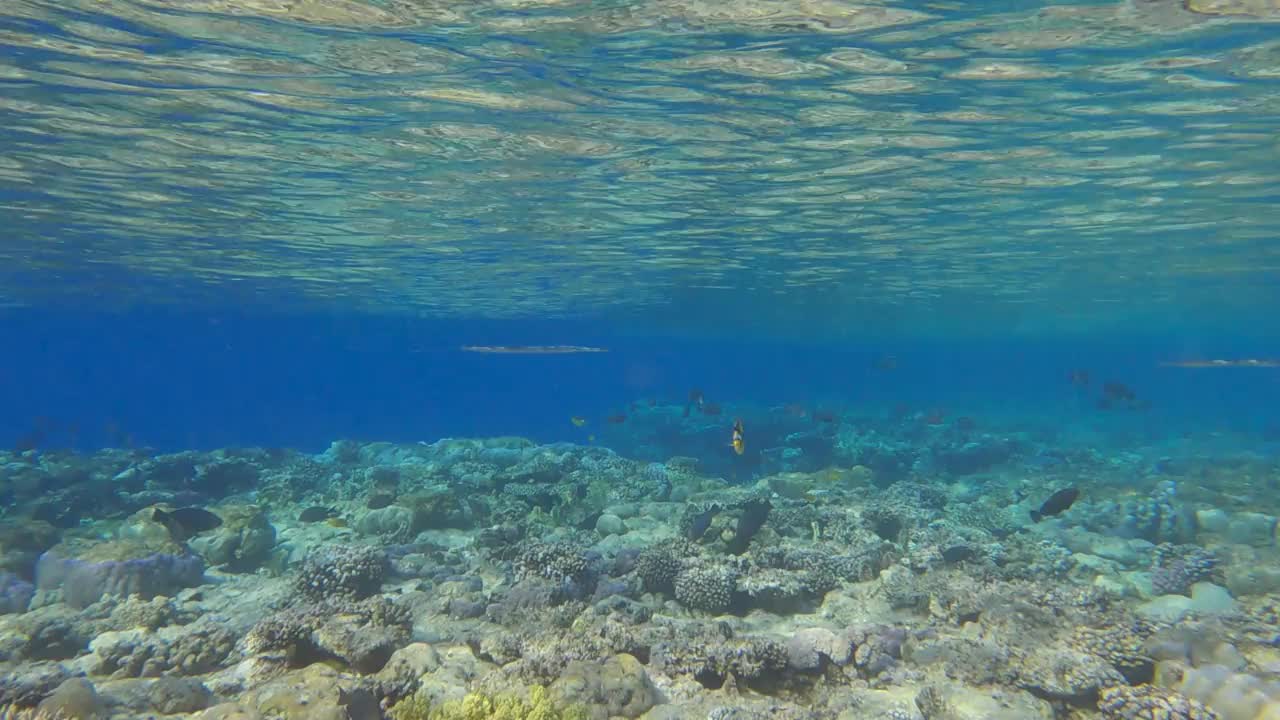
(478, 706)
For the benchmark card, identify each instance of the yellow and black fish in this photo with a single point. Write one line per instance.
(739, 445)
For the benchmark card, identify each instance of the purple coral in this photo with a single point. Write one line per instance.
(84, 582)
(15, 593)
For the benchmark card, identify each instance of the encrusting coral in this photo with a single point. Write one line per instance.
(478, 706)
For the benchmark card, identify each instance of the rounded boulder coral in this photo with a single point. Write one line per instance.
(1148, 702)
(350, 572)
(658, 565)
(706, 587)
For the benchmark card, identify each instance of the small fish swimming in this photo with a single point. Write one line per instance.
(617, 419)
(316, 513)
(1057, 503)
(336, 522)
(739, 443)
(578, 420)
(187, 522)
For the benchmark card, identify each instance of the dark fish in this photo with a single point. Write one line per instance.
(316, 514)
(711, 409)
(616, 419)
(825, 416)
(701, 522)
(378, 501)
(1057, 503)
(957, 553)
(57, 514)
(1079, 378)
(752, 519)
(186, 522)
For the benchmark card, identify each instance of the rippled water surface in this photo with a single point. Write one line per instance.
(1071, 162)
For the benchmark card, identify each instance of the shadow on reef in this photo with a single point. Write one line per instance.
(472, 578)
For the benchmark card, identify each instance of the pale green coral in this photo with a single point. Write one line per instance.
(478, 706)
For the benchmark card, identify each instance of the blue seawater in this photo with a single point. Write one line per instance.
(637, 344)
(233, 223)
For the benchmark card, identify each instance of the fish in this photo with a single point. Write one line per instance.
(1079, 378)
(887, 362)
(532, 349)
(695, 400)
(738, 443)
(753, 517)
(591, 438)
(1057, 503)
(336, 522)
(957, 553)
(616, 419)
(701, 521)
(377, 501)
(185, 523)
(578, 421)
(316, 513)
(825, 416)
(1247, 362)
(711, 409)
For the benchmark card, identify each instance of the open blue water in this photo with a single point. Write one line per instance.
(239, 223)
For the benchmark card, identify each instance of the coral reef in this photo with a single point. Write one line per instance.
(1146, 702)
(332, 572)
(537, 706)
(85, 571)
(501, 578)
